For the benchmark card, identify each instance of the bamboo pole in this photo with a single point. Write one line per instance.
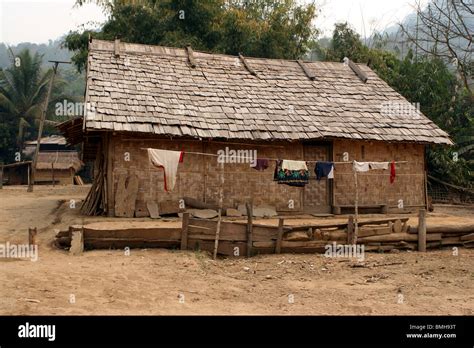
(219, 217)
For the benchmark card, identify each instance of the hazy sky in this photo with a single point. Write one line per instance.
(42, 20)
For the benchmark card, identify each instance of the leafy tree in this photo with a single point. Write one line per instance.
(266, 28)
(426, 80)
(23, 89)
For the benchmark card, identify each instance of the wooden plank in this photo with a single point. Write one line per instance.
(152, 207)
(279, 237)
(1, 176)
(169, 207)
(422, 230)
(184, 232)
(141, 209)
(162, 233)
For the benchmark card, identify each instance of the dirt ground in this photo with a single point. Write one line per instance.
(159, 281)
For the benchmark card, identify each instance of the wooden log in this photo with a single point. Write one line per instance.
(451, 241)
(367, 231)
(397, 226)
(422, 230)
(32, 232)
(279, 241)
(398, 237)
(184, 232)
(249, 209)
(337, 235)
(447, 229)
(468, 237)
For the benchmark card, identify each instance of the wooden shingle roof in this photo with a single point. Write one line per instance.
(154, 89)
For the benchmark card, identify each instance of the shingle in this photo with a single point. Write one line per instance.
(152, 89)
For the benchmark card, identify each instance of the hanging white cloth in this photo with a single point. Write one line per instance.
(378, 165)
(360, 166)
(168, 160)
(293, 165)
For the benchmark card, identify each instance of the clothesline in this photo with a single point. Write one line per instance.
(270, 159)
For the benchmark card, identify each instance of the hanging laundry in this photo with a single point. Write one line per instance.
(168, 160)
(392, 172)
(361, 166)
(324, 169)
(297, 177)
(294, 165)
(378, 165)
(260, 164)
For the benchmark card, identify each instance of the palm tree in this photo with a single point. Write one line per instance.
(23, 89)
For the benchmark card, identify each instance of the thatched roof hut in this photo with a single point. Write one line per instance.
(141, 96)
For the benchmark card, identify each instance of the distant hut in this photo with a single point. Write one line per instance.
(56, 163)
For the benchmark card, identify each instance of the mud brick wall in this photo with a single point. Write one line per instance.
(198, 176)
(374, 186)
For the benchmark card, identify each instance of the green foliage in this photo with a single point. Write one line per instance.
(266, 28)
(429, 82)
(23, 89)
